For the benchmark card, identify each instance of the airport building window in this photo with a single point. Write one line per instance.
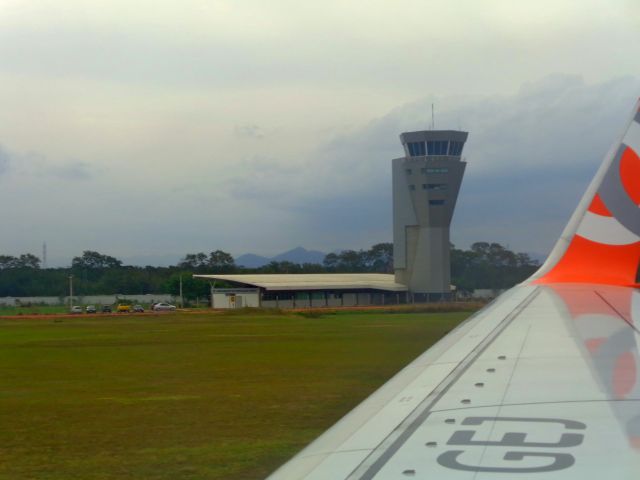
(412, 187)
(434, 186)
(278, 296)
(408, 170)
(436, 202)
(455, 148)
(416, 149)
(439, 147)
(436, 170)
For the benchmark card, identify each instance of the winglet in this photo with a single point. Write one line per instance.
(601, 243)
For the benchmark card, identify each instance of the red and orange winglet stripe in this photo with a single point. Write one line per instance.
(590, 262)
(596, 259)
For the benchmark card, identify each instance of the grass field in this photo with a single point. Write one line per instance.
(34, 310)
(189, 396)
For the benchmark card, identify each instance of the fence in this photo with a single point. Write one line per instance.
(88, 299)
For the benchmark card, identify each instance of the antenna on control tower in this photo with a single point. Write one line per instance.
(433, 118)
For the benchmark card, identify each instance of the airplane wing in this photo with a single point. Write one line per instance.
(543, 383)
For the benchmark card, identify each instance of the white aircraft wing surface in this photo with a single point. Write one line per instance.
(544, 383)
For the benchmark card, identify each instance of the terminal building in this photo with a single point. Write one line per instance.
(425, 183)
(306, 290)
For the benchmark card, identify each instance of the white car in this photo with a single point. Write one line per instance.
(76, 309)
(158, 307)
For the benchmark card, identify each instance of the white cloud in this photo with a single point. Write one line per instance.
(249, 131)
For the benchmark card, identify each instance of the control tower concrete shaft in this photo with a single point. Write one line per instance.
(426, 182)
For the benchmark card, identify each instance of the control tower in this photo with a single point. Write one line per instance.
(426, 182)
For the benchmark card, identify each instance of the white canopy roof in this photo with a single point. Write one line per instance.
(315, 281)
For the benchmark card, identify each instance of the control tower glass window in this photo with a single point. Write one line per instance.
(417, 149)
(437, 147)
(455, 148)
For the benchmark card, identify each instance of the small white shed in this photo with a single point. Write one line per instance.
(235, 297)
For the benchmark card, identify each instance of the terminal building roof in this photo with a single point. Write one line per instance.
(314, 281)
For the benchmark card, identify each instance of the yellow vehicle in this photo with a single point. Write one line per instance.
(123, 308)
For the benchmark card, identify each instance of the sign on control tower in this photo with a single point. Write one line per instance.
(426, 182)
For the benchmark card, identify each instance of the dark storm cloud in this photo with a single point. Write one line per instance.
(530, 158)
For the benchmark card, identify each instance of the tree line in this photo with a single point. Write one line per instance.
(484, 265)
(489, 265)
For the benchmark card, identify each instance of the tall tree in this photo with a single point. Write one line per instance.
(194, 261)
(192, 288)
(7, 261)
(331, 261)
(221, 261)
(380, 258)
(94, 260)
(27, 260)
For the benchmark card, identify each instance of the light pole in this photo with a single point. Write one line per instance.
(70, 291)
(181, 299)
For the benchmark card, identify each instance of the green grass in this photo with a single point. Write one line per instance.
(34, 310)
(189, 396)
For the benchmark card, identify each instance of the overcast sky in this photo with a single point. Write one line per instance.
(164, 127)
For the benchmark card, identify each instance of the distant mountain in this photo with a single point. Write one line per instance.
(250, 260)
(297, 255)
(300, 255)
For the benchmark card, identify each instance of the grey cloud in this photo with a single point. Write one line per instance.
(261, 189)
(148, 56)
(5, 160)
(248, 131)
(546, 121)
(267, 164)
(531, 156)
(320, 47)
(138, 57)
(74, 170)
(270, 179)
(33, 164)
(633, 9)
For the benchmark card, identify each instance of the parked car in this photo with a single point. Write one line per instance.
(90, 309)
(106, 309)
(158, 307)
(138, 308)
(123, 308)
(76, 309)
